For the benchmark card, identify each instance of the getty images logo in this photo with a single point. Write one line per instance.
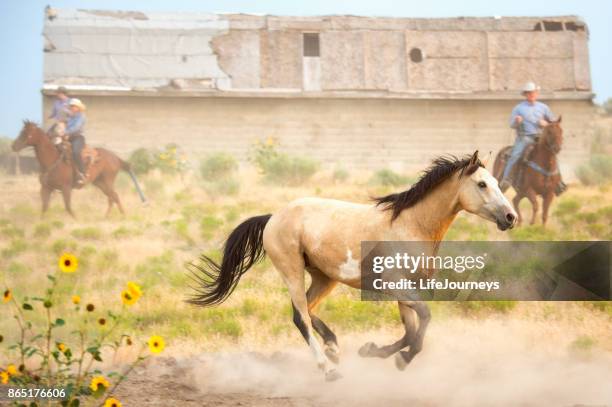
(412, 264)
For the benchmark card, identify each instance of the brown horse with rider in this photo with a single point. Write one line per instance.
(57, 171)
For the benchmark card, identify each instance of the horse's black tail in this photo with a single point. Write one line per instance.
(127, 168)
(243, 248)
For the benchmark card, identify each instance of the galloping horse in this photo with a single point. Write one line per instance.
(323, 236)
(57, 174)
(540, 171)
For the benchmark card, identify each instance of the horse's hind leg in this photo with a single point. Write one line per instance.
(291, 268)
(108, 190)
(408, 316)
(320, 287)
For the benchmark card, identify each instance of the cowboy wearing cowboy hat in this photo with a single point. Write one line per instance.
(74, 130)
(528, 118)
(60, 112)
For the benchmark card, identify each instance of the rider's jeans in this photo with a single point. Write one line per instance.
(78, 142)
(521, 143)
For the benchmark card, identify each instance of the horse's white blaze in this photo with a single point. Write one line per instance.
(349, 270)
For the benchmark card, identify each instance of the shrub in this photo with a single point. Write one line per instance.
(282, 168)
(340, 175)
(218, 165)
(597, 171)
(142, 161)
(171, 160)
(386, 177)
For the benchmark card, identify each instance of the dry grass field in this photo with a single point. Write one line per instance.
(248, 351)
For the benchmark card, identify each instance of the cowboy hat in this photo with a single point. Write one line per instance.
(77, 102)
(530, 87)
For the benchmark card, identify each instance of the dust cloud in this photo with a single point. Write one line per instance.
(494, 362)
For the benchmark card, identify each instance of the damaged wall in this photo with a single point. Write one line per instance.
(134, 50)
(196, 51)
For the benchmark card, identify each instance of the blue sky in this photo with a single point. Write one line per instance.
(21, 24)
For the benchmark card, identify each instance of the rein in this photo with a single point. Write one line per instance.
(541, 170)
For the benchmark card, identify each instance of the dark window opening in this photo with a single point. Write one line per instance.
(572, 26)
(538, 27)
(311, 45)
(553, 26)
(416, 55)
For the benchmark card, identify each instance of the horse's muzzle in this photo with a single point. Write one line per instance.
(506, 222)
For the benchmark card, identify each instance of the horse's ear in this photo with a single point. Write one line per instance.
(474, 159)
(559, 119)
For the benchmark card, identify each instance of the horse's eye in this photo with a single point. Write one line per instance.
(482, 185)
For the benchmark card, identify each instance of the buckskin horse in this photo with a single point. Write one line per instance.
(323, 237)
(538, 172)
(57, 174)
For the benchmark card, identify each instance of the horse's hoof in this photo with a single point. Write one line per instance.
(400, 362)
(333, 354)
(368, 350)
(332, 375)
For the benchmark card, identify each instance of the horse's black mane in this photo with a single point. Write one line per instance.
(441, 169)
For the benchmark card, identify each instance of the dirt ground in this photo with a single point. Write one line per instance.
(467, 362)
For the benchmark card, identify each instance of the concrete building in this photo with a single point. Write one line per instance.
(365, 92)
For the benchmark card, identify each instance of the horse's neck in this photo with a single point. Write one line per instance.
(430, 218)
(46, 153)
(544, 157)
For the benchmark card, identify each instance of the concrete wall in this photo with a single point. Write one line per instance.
(371, 133)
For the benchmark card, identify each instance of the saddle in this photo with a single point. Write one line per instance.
(89, 155)
(516, 174)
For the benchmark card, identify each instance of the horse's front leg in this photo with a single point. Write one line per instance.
(413, 337)
(66, 194)
(546, 201)
(516, 201)
(45, 196)
(533, 198)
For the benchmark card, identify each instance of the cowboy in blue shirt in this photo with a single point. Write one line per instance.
(528, 118)
(74, 130)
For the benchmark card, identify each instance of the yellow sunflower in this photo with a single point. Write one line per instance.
(156, 344)
(4, 377)
(12, 370)
(134, 289)
(76, 299)
(61, 347)
(127, 297)
(6, 297)
(98, 381)
(68, 263)
(112, 402)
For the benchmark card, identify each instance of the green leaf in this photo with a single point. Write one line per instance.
(59, 322)
(27, 306)
(50, 277)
